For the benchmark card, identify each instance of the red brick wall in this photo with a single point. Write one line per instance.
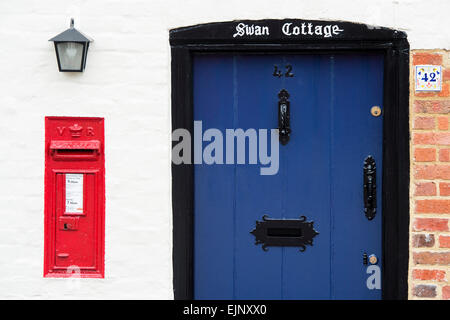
(429, 275)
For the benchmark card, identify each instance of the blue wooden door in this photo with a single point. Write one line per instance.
(320, 176)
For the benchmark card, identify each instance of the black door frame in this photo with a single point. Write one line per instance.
(219, 38)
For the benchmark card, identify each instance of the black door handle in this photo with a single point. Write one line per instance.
(284, 117)
(370, 187)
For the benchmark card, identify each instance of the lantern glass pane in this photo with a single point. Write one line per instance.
(70, 55)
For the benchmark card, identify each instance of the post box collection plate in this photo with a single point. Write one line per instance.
(74, 193)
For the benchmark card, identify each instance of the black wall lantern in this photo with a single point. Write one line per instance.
(71, 48)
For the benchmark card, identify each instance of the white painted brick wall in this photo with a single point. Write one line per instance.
(127, 81)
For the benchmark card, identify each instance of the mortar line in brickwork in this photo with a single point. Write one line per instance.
(428, 265)
(422, 265)
(437, 99)
(428, 115)
(427, 146)
(432, 282)
(430, 97)
(435, 199)
(434, 267)
(424, 232)
(431, 215)
(429, 130)
(434, 215)
(431, 179)
(438, 162)
(431, 250)
(440, 146)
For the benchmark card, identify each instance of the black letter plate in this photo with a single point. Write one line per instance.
(284, 233)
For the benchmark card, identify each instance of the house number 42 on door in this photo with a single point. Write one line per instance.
(277, 71)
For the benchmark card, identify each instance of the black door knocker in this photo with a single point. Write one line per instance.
(284, 115)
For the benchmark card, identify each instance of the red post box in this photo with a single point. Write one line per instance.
(74, 197)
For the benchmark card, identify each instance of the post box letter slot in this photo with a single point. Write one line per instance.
(75, 150)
